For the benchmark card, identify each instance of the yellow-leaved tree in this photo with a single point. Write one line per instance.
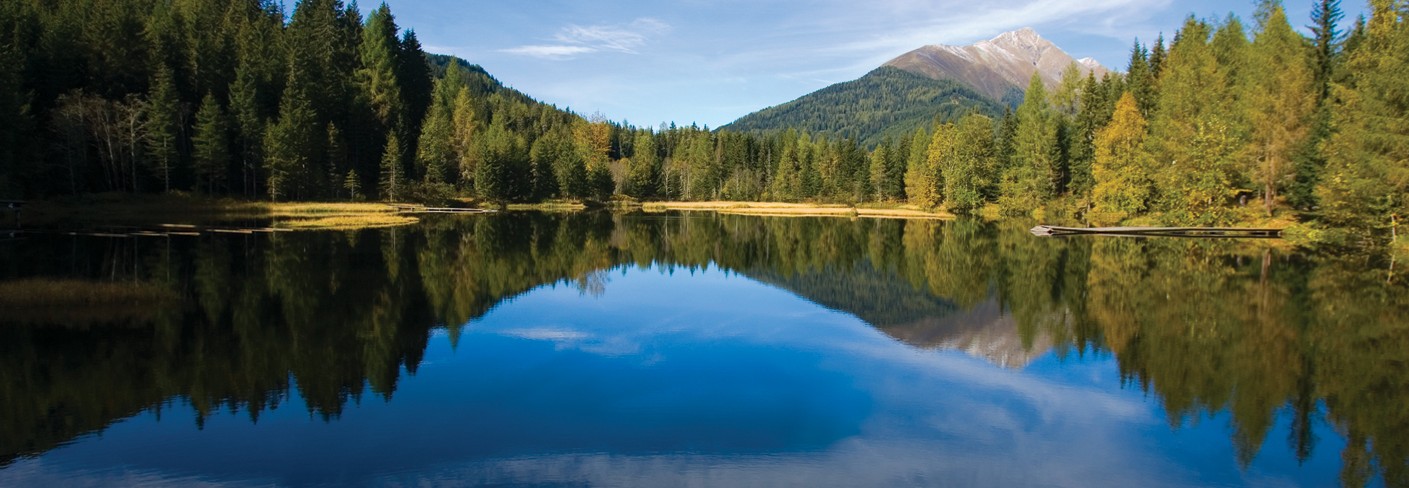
(1123, 166)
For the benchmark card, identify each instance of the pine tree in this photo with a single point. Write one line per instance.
(555, 151)
(290, 146)
(1122, 170)
(377, 73)
(503, 173)
(1140, 79)
(1034, 175)
(211, 152)
(1309, 159)
(435, 156)
(414, 77)
(393, 177)
(1157, 57)
(164, 128)
(1326, 39)
(338, 155)
(353, 184)
(249, 127)
(787, 175)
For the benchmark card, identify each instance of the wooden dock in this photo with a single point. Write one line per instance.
(1204, 232)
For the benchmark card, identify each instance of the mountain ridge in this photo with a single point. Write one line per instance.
(995, 66)
(932, 83)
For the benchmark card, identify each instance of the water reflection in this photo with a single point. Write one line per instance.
(1273, 340)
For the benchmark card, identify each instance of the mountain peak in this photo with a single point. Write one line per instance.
(1024, 37)
(996, 67)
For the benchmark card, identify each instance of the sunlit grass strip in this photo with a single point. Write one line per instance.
(780, 209)
(297, 209)
(179, 209)
(549, 206)
(79, 302)
(348, 222)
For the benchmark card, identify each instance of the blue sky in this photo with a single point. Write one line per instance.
(712, 61)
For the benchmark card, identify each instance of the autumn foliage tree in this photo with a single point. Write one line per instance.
(1122, 170)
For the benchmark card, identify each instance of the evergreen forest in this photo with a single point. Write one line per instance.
(1229, 122)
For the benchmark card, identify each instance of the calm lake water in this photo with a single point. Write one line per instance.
(700, 349)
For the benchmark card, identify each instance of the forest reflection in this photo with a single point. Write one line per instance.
(1204, 326)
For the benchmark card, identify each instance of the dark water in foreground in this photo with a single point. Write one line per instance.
(698, 349)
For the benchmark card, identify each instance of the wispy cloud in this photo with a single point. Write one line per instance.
(576, 40)
(549, 51)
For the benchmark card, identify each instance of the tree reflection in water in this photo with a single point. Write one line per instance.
(1203, 325)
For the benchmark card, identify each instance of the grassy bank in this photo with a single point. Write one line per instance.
(123, 209)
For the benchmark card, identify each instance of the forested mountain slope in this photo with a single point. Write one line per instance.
(887, 102)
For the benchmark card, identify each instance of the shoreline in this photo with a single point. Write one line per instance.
(781, 209)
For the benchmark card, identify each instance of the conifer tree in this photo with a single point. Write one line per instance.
(164, 128)
(248, 127)
(289, 148)
(1157, 57)
(1140, 79)
(1326, 39)
(377, 74)
(1034, 174)
(435, 155)
(211, 151)
(393, 176)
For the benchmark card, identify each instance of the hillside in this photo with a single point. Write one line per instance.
(479, 81)
(887, 102)
(932, 82)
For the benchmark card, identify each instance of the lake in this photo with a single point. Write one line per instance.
(701, 349)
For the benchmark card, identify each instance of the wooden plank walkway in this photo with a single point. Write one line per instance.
(1206, 232)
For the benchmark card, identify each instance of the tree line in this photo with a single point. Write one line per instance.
(1225, 124)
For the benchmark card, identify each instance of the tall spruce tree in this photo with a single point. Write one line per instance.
(1034, 174)
(164, 128)
(211, 146)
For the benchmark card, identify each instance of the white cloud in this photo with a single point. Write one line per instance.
(549, 51)
(574, 40)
